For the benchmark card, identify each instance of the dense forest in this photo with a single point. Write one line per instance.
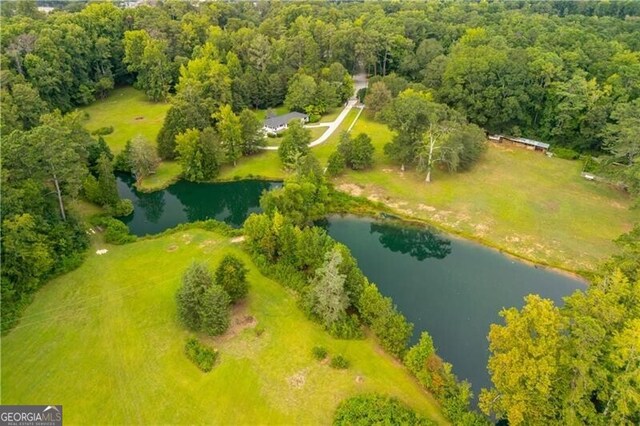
(563, 72)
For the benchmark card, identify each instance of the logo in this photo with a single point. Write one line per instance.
(30, 415)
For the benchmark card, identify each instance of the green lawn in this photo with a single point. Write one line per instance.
(520, 201)
(130, 114)
(109, 347)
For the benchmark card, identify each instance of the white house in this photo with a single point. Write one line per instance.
(281, 122)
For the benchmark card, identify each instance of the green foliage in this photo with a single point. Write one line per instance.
(377, 97)
(347, 327)
(215, 312)
(101, 131)
(202, 305)
(231, 275)
(190, 297)
(336, 163)
(370, 409)
(295, 144)
(122, 208)
(202, 356)
(301, 92)
(146, 56)
(252, 136)
(328, 299)
(565, 153)
(357, 152)
(199, 153)
(339, 362)
(143, 159)
(303, 197)
(230, 130)
(390, 326)
(319, 352)
(116, 232)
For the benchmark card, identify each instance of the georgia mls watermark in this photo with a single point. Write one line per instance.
(30, 415)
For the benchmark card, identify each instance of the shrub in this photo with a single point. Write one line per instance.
(336, 164)
(390, 326)
(116, 232)
(361, 94)
(201, 355)
(103, 131)
(231, 275)
(215, 311)
(376, 409)
(190, 296)
(565, 153)
(123, 207)
(339, 362)
(348, 327)
(319, 353)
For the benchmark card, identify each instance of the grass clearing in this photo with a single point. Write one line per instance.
(130, 113)
(520, 201)
(116, 338)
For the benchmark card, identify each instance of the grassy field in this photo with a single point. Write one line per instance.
(110, 350)
(520, 201)
(130, 114)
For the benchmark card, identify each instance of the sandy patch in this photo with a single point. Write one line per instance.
(172, 248)
(298, 380)
(351, 189)
(186, 238)
(237, 239)
(359, 379)
(426, 208)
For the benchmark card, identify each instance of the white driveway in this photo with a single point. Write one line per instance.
(359, 81)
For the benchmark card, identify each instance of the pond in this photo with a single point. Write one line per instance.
(229, 202)
(452, 288)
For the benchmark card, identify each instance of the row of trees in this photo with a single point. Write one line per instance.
(333, 290)
(43, 168)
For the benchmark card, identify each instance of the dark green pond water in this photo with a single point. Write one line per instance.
(452, 288)
(182, 202)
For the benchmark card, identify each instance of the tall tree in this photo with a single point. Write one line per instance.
(51, 153)
(524, 364)
(329, 298)
(142, 158)
(301, 92)
(230, 131)
(252, 137)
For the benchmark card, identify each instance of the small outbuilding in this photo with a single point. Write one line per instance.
(523, 142)
(279, 123)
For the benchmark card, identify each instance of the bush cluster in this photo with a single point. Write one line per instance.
(202, 356)
(339, 362)
(319, 352)
(115, 232)
(374, 409)
(204, 304)
(565, 153)
(103, 131)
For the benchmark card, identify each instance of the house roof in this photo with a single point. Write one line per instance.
(531, 142)
(281, 120)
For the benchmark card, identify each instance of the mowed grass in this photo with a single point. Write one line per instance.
(130, 113)
(108, 346)
(521, 201)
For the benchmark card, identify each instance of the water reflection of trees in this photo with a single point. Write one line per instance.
(152, 205)
(418, 243)
(229, 202)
